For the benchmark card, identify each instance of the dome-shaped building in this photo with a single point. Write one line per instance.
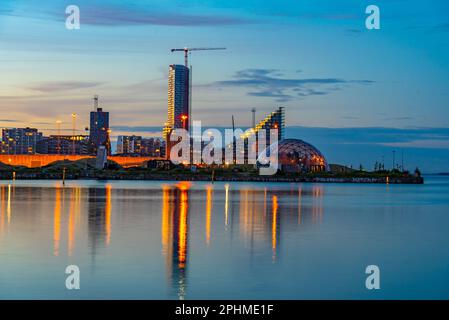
(299, 156)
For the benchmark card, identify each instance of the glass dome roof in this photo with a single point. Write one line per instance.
(295, 152)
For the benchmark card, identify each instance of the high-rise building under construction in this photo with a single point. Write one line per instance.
(178, 97)
(178, 101)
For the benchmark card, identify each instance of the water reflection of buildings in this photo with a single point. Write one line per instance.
(98, 214)
(99, 217)
(259, 218)
(263, 216)
(67, 212)
(57, 220)
(73, 219)
(7, 192)
(175, 214)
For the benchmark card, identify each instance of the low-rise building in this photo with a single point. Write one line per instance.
(64, 144)
(20, 140)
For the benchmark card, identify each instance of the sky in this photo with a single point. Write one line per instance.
(382, 90)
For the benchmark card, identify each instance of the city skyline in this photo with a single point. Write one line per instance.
(223, 158)
(322, 65)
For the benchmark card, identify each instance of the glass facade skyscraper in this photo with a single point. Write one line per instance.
(178, 98)
(178, 101)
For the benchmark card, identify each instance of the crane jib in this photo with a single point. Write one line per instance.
(187, 50)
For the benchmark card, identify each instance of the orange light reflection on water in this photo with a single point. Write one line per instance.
(57, 221)
(182, 233)
(208, 212)
(274, 226)
(2, 221)
(108, 210)
(165, 227)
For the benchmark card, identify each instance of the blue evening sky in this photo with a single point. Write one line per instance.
(314, 57)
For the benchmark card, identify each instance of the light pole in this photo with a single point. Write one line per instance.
(184, 121)
(394, 158)
(74, 115)
(58, 125)
(402, 160)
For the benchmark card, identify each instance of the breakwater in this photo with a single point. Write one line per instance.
(203, 177)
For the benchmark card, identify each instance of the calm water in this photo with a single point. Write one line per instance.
(153, 240)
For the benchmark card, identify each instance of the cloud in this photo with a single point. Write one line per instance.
(137, 128)
(350, 118)
(331, 17)
(8, 120)
(96, 13)
(119, 16)
(272, 83)
(444, 27)
(424, 143)
(427, 137)
(398, 118)
(6, 7)
(63, 86)
(427, 148)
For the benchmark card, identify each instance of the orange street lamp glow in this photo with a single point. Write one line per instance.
(184, 117)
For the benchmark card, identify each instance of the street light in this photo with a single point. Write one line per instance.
(394, 158)
(58, 125)
(74, 115)
(184, 119)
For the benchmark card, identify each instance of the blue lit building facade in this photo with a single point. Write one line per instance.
(178, 96)
(99, 131)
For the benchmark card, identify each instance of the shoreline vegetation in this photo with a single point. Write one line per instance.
(85, 169)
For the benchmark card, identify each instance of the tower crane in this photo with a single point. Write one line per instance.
(187, 50)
